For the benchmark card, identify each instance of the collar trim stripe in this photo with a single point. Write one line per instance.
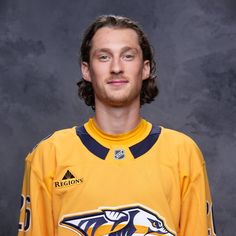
(145, 145)
(91, 144)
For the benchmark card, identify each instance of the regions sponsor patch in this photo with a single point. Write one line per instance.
(68, 180)
(128, 221)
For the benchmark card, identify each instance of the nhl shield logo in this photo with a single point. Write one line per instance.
(119, 154)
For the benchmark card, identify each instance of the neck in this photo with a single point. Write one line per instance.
(117, 120)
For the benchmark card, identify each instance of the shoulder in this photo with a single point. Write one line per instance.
(181, 145)
(54, 140)
(46, 155)
(59, 136)
(177, 138)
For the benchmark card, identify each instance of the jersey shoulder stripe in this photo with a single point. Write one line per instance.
(91, 144)
(146, 144)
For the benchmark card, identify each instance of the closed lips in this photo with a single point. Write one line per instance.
(117, 81)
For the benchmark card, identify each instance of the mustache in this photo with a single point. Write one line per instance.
(117, 77)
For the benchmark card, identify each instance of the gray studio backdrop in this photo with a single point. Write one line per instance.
(195, 48)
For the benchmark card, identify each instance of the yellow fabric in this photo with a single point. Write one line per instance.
(63, 178)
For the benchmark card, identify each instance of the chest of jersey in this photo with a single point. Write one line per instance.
(88, 186)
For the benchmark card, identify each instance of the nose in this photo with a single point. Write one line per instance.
(116, 66)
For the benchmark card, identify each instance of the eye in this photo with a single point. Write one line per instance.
(103, 57)
(128, 56)
(157, 224)
(154, 224)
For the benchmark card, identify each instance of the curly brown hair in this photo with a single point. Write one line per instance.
(149, 88)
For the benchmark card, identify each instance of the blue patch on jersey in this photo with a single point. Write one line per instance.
(91, 144)
(145, 145)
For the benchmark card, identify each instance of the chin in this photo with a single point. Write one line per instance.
(118, 103)
(121, 102)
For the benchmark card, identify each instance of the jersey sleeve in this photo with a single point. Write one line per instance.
(36, 218)
(196, 206)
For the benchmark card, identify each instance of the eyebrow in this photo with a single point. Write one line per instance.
(107, 50)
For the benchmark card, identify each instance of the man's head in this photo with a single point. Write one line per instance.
(149, 89)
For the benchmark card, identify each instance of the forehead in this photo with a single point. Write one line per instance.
(108, 37)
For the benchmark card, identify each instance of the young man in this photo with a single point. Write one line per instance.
(117, 174)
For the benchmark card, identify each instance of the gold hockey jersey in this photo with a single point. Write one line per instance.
(82, 181)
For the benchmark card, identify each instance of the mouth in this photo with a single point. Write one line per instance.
(117, 82)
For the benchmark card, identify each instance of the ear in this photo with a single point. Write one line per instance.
(85, 71)
(146, 69)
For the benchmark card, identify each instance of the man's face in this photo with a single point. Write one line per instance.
(116, 69)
